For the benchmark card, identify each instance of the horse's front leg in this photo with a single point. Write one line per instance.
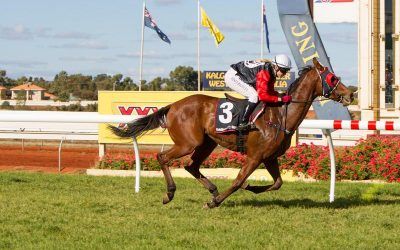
(244, 173)
(273, 168)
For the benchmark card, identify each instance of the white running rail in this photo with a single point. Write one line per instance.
(72, 118)
(82, 117)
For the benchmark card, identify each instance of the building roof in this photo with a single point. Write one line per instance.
(51, 96)
(3, 88)
(28, 86)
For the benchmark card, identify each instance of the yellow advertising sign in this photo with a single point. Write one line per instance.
(142, 103)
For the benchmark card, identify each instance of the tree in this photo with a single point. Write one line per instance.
(57, 87)
(185, 77)
(144, 85)
(21, 98)
(3, 74)
(156, 83)
(21, 80)
(116, 81)
(127, 84)
(63, 96)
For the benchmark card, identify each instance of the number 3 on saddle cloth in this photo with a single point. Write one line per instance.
(229, 112)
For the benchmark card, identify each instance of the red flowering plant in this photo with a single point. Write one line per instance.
(119, 161)
(224, 159)
(384, 162)
(353, 162)
(377, 157)
(148, 161)
(309, 160)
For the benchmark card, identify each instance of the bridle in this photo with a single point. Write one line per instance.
(329, 82)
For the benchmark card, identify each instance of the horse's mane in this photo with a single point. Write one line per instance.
(302, 72)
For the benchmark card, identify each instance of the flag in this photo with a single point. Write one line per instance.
(266, 28)
(206, 22)
(150, 23)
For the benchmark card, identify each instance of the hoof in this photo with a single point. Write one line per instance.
(211, 204)
(167, 198)
(205, 206)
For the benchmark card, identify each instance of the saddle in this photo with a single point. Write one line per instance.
(229, 112)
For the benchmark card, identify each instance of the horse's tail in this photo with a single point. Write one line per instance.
(138, 127)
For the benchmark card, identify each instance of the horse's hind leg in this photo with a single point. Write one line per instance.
(163, 158)
(199, 155)
(273, 168)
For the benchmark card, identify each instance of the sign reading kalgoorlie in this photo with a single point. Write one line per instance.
(214, 80)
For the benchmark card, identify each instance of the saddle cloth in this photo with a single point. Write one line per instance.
(229, 113)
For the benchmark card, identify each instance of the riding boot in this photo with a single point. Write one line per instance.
(248, 111)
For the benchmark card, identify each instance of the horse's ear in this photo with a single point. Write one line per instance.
(318, 65)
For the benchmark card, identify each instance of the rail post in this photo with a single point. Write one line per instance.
(137, 164)
(328, 135)
(59, 154)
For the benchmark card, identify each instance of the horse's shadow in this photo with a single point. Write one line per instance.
(339, 203)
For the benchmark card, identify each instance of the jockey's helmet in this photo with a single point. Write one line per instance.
(282, 61)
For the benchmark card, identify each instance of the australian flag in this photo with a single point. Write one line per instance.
(266, 28)
(149, 22)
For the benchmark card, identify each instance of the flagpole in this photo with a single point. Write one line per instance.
(141, 50)
(198, 45)
(262, 29)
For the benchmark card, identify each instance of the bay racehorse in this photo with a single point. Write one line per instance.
(191, 125)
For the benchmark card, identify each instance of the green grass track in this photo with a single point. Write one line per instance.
(50, 211)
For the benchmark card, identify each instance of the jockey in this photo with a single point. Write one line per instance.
(255, 80)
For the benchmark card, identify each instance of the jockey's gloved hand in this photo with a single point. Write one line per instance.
(286, 99)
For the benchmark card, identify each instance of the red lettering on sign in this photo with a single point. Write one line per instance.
(139, 111)
(145, 111)
(125, 111)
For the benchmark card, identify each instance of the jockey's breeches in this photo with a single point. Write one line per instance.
(233, 81)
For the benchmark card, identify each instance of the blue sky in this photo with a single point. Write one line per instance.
(43, 37)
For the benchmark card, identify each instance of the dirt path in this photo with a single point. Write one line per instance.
(45, 159)
(75, 158)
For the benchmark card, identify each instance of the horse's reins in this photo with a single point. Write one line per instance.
(327, 91)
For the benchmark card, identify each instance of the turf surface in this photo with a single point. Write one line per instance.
(78, 211)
